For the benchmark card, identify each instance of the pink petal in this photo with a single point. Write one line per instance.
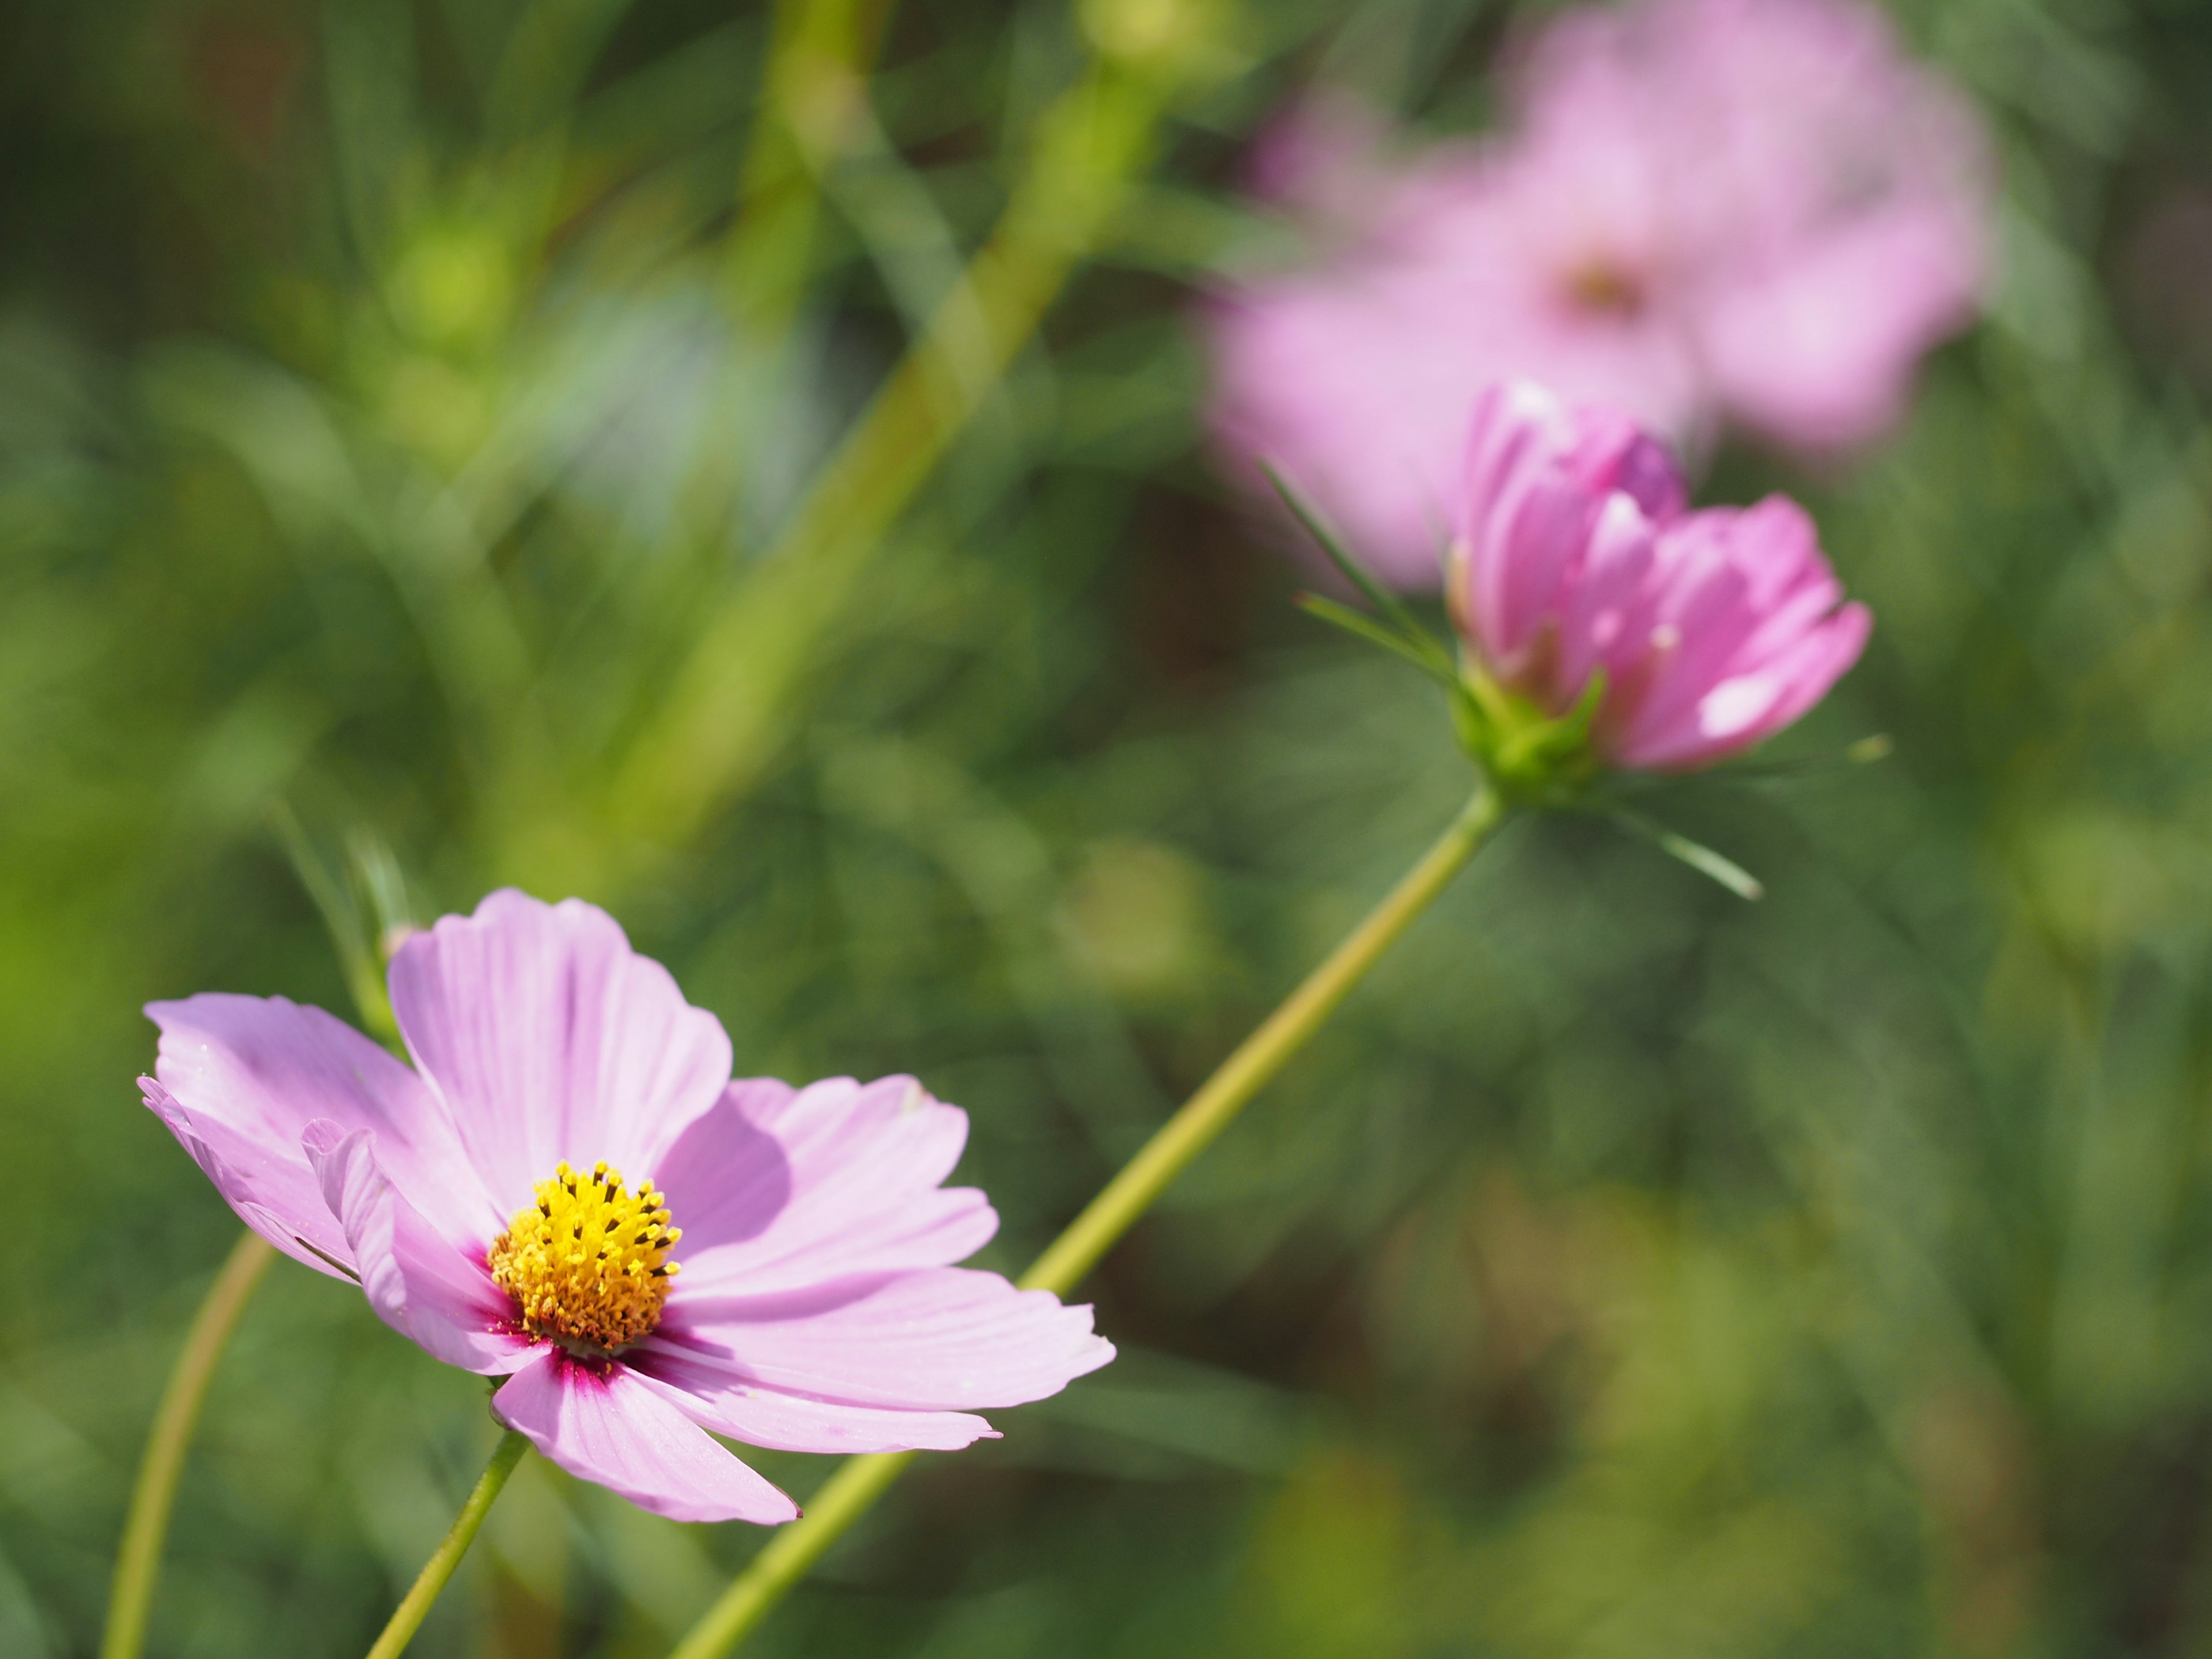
(1747, 710)
(1525, 515)
(727, 1178)
(1827, 655)
(419, 1285)
(549, 1038)
(942, 1339)
(778, 1187)
(730, 1400)
(1612, 452)
(243, 1168)
(610, 1426)
(252, 1073)
(1819, 352)
(1603, 607)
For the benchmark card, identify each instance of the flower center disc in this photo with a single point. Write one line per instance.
(1606, 290)
(587, 1264)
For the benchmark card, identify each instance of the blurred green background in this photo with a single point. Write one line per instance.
(428, 460)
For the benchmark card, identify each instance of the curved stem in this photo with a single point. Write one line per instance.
(845, 1497)
(138, 1563)
(1259, 1057)
(408, 1617)
(726, 710)
(848, 1493)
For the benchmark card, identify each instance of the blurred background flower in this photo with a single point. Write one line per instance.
(406, 414)
(1699, 211)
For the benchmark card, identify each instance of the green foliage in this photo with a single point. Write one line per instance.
(408, 415)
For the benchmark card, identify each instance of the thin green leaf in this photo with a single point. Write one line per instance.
(1750, 774)
(1317, 525)
(1702, 859)
(1366, 628)
(376, 878)
(363, 970)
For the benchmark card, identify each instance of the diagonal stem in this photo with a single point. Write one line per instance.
(860, 1480)
(726, 710)
(407, 1618)
(138, 1563)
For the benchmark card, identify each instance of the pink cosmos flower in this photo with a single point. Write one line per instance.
(482, 1200)
(1703, 211)
(1573, 553)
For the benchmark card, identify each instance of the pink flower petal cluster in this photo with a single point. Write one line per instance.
(1573, 553)
(1702, 211)
(815, 1306)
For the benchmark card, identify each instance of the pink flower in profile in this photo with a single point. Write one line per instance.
(781, 1271)
(1573, 553)
(1755, 212)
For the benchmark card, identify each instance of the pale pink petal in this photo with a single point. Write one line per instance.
(1524, 555)
(1817, 347)
(943, 1338)
(1746, 710)
(1358, 380)
(606, 1424)
(1811, 671)
(419, 1285)
(548, 1039)
(1756, 211)
(1526, 515)
(1605, 603)
(243, 1171)
(727, 1399)
(727, 1178)
(1703, 618)
(1612, 452)
(778, 1189)
(253, 1073)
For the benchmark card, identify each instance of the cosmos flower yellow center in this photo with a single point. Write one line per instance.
(587, 1264)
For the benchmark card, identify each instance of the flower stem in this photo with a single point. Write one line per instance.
(860, 1480)
(845, 1497)
(726, 710)
(408, 1617)
(138, 1563)
(1259, 1057)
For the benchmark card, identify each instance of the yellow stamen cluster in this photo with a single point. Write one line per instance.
(587, 1265)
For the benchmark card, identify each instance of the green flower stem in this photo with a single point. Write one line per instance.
(138, 1563)
(727, 709)
(860, 1480)
(769, 1576)
(1259, 1057)
(408, 1617)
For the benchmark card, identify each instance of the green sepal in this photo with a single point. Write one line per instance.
(1365, 627)
(1713, 865)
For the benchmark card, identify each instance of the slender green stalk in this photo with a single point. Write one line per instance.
(138, 1560)
(848, 1493)
(408, 1617)
(769, 1576)
(138, 1563)
(726, 708)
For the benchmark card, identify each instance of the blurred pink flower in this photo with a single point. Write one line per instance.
(1703, 210)
(480, 1200)
(1573, 553)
